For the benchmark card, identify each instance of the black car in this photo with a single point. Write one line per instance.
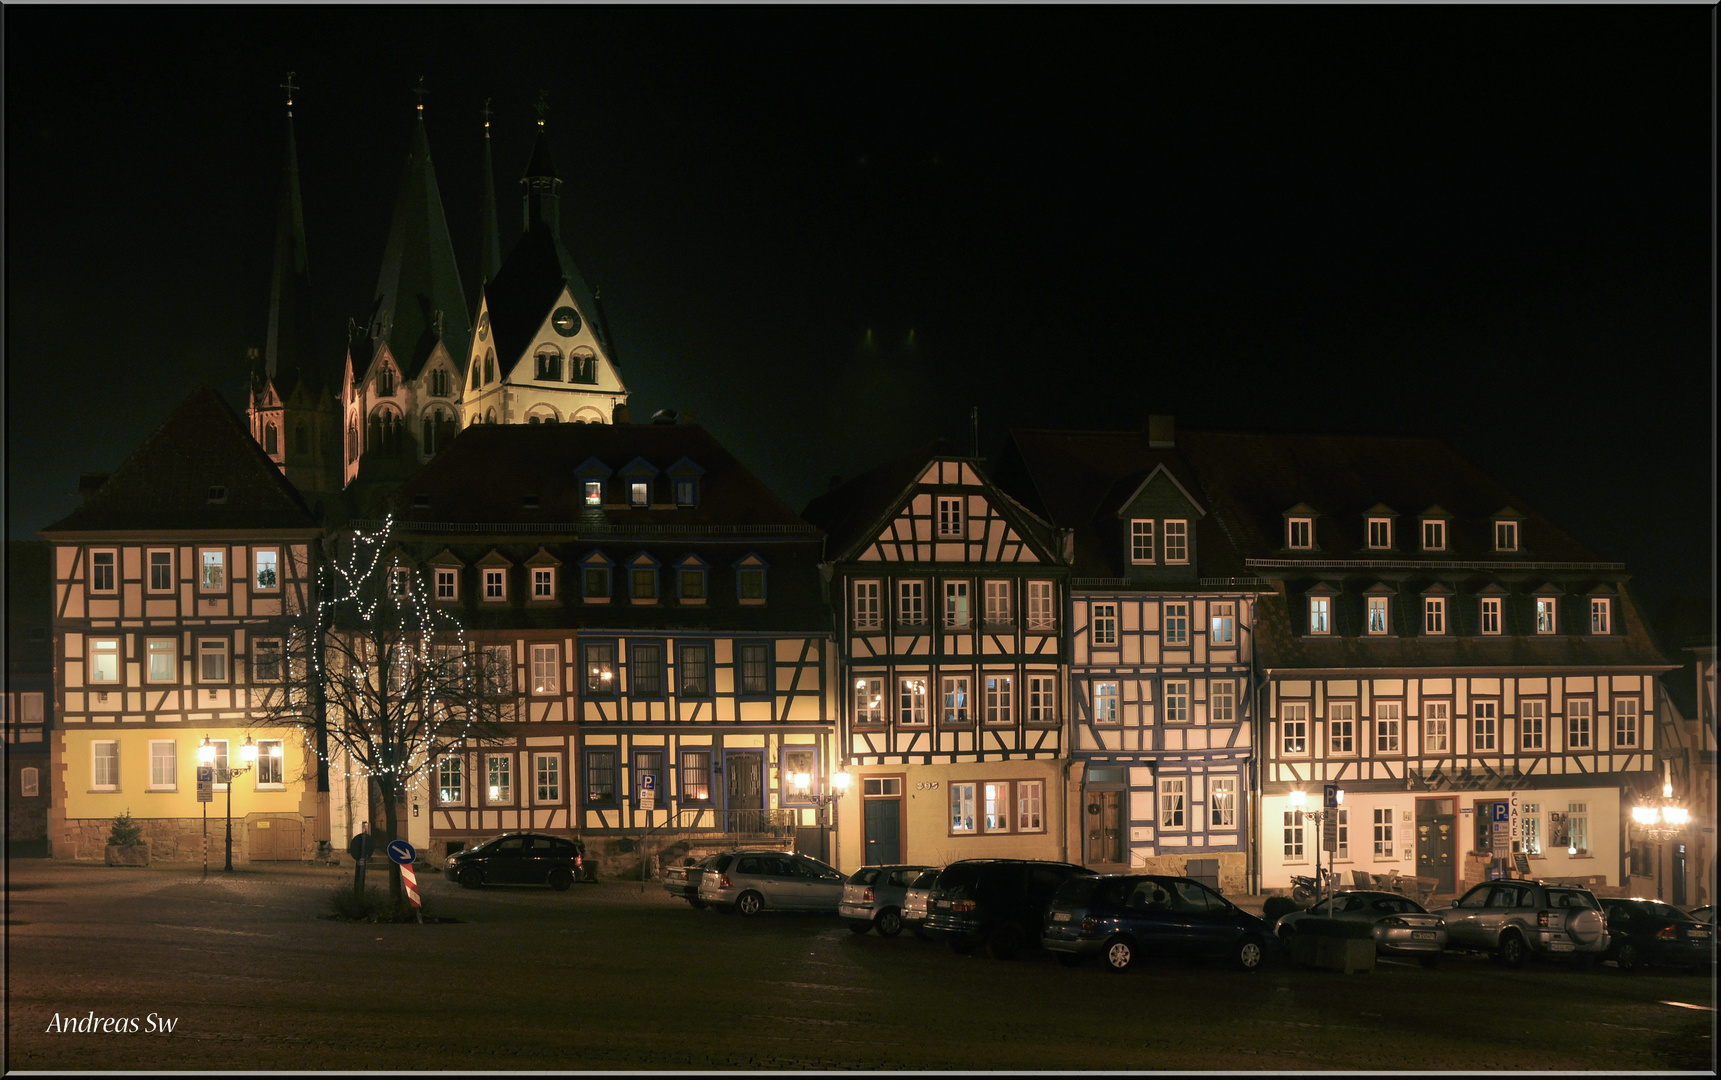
(1646, 933)
(518, 859)
(1122, 917)
(995, 902)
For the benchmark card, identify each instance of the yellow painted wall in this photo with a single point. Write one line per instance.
(134, 794)
(926, 814)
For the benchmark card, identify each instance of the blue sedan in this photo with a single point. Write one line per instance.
(1122, 917)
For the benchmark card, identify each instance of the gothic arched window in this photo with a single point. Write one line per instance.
(352, 440)
(475, 373)
(490, 417)
(583, 366)
(549, 363)
(439, 383)
(269, 439)
(489, 367)
(385, 382)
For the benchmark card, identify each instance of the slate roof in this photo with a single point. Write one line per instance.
(522, 293)
(165, 483)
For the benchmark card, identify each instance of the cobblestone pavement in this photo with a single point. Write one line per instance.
(607, 977)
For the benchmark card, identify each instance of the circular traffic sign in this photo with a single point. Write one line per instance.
(401, 852)
(361, 846)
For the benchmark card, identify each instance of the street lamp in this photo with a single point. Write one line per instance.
(1660, 822)
(1298, 798)
(206, 756)
(802, 783)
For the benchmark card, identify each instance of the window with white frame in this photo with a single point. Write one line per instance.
(104, 661)
(105, 765)
(1341, 727)
(1434, 614)
(1000, 699)
(1490, 615)
(271, 763)
(548, 769)
(1222, 701)
(956, 702)
(869, 701)
(1222, 622)
(911, 701)
(1383, 845)
(266, 569)
(1580, 717)
(995, 806)
(543, 583)
(1030, 806)
(1141, 541)
(1293, 836)
(1042, 699)
(1578, 826)
(1320, 614)
(265, 660)
(29, 782)
(1484, 726)
(495, 584)
(1434, 535)
(1294, 728)
(450, 783)
(1626, 722)
(1388, 727)
(1505, 536)
(498, 670)
(1379, 533)
(163, 765)
(222, 775)
(1436, 727)
(911, 603)
(160, 571)
(1530, 828)
(214, 576)
(1176, 701)
(1222, 802)
(1532, 724)
(1601, 615)
(1105, 624)
(1176, 541)
(1173, 795)
(1342, 826)
(546, 665)
(639, 493)
(962, 808)
(950, 517)
(1546, 612)
(998, 607)
(1105, 702)
(866, 605)
(1299, 533)
(956, 612)
(501, 786)
(1377, 615)
(1041, 614)
(1177, 624)
(212, 660)
(446, 588)
(102, 577)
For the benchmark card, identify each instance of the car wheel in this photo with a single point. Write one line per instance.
(1431, 961)
(695, 902)
(858, 927)
(471, 877)
(890, 922)
(1070, 959)
(1511, 951)
(1119, 955)
(560, 879)
(1627, 957)
(1303, 895)
(750, 904)
(1005, 942)
(1249, 954)
(961, 946)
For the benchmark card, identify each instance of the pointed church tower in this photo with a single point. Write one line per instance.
(541, 353)
(401, 400)
(291, 410)
(490, 242)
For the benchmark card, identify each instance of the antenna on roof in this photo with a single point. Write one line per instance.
(420, 91)
(289, 87)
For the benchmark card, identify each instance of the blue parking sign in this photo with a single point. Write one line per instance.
(1332, 796)
(1502, 811)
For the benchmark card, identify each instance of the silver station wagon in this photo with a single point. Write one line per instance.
(752, 881)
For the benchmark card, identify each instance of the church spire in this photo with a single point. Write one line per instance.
(287, 348)
(540, 188)
(490, 243)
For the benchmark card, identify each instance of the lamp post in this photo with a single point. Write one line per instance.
(1660, 822)
(206, 755)
(1298, 798)
(803, 782)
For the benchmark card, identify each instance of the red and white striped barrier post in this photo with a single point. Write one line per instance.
(410, 881)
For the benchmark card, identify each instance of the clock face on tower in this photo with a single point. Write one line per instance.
(566, 321)
(484, 326)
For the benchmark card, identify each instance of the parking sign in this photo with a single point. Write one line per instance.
(647, 791)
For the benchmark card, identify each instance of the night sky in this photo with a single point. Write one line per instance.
(829, 233)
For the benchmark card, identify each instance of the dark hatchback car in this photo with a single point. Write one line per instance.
(1123, 917)
(998, 903)
(1649, 933)
(517, 859)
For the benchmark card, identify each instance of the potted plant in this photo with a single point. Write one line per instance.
(125, 843)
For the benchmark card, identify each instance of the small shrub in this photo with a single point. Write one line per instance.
(125, 832)
(348, 905)
(1276, 907)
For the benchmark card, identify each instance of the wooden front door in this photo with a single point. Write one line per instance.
(744, 790)
(883, 825)
(1436, 842)
(1104, 818)
(277, 839)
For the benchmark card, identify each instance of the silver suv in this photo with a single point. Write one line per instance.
(1515, 919)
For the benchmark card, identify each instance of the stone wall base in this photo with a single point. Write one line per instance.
(170, 840)
(1233, 868)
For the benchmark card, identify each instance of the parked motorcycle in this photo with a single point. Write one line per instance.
(1305, 889)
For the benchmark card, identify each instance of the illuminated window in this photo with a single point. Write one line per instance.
(1030, 805)
(450, 786)
(1377, 615)
(271, 763)
(869, 701)
(911, 702)
(1222, 802)
(266, 576)
(600, 669)
(501, 781)
(956, 604)
(548, 769)
(962, 808)
(639, 493)
(600, 777)
(1105, 703)
(163, 660)
(1294, 729)
(594, 492)
(104, 660)
(1222, 621)
(695, 776)
(1320, 610)
(546, 669)
(214, 578)
(1545, 615)
(996, 806)
(1172, 806)
(1601, 615)
(1176, 541)
(956, 702)
(1141, 541)
(950, 517)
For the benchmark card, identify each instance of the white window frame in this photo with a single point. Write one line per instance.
(1174, 541)
(950, 517)
(1042, 613)
(869, 700)
(594, 492)
(911, 603)
(1000, 693)
(1437, 727)
(999, 610)
(1030, 806)
(1176, 704)
(1294, 729)
(1601, 615)
(499, 794)
(149, 585)
(1433, 534)
(1379, 614)
(1383, 835)
(1379, 533)
(258, 557)
(1341, 728)
(1175, 624)
(1491, 615)
(271, 768)
(495, 585)
(955, 699)
(961, 817)
(1222, 802)
(1388, 727)
(1042, 699)
(1320, 615)
(1222, 701)
(105, 647)
(1547, 615)
(97, 757)
(163, 779)
(1173, 803)
(457, 774)
(639, 494)
(1530, 828)
(546, 782)
(211, 570)
(543, 583)
(866, 604)
(1104, 629)
(1342, 826)
(1141, 541)
(1105, 703)
(1580, 723)
(447, 584)
(1505, 536)
(911, 705)
(1293, 837)
(1484, 727)
(1222, 622)
(1434, 615)
(546, 661)
(222, 774)
(1627, 723)
(210, 648)
(958, 608)
(1578, 826)
(112, 566)
(1532, 724)
(1300, 533)
(996, 811)
(400, 582)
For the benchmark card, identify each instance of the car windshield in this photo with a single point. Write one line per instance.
(1571, 898)
(1397, 905)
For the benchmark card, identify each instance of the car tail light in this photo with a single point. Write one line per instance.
(1440, 924)
(1667, 933)
(962, 905)
(1090, 924)
(723, 882)
(866, 896)
(1393, 920)
(1544, 919)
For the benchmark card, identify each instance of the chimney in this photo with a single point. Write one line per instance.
(1161, 431)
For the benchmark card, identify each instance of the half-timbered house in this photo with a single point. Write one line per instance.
(175, 584)
(1436, 648)
(1161, 628)
(661, 616)
(949, 601)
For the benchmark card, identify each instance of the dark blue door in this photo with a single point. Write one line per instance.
(883, 831)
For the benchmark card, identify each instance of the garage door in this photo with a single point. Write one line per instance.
(276, 839)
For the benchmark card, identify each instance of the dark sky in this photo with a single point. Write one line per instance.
(831, 232)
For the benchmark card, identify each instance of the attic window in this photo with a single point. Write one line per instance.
(687, 492)
(530, 502)
(1433, 534)
(217, 493)
(1299, 533)
(420, 501)
(639, 493)
(1505, 536)
(594, 492)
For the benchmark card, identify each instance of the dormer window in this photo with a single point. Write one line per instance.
(1379, 614)
(495, 584)
(1491, 615)
(1433, 534)
(549, 362)
(1505, 536)
(1434, 615)
(1601, 615)
(1547, 621)
(750, 580)
(639, 494)
(690, 581)
(595, 579)
(1300, 533)
(1320, 614)
(217, 494)
(642, 580)
(1141, 541)
(1176, 540)
(594, 492)
(400, 582)
(687, 493)
(1379, 533)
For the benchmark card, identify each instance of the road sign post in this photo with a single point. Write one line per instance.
(205, 795)
(401, 854)
(360, 848)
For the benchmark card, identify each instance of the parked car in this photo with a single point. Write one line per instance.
(1123, 917)
(996, 902)
(517, 858)
(1515, 919)
(751, 881)
(914, 903)
(683, 880)
(1706, 913)
(1402, 926)
(1645, 933)
(873, 896)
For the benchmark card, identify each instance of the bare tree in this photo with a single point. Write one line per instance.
(381, 674)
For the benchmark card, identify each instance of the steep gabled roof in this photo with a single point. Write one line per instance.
(166, 483)
(521, 295)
